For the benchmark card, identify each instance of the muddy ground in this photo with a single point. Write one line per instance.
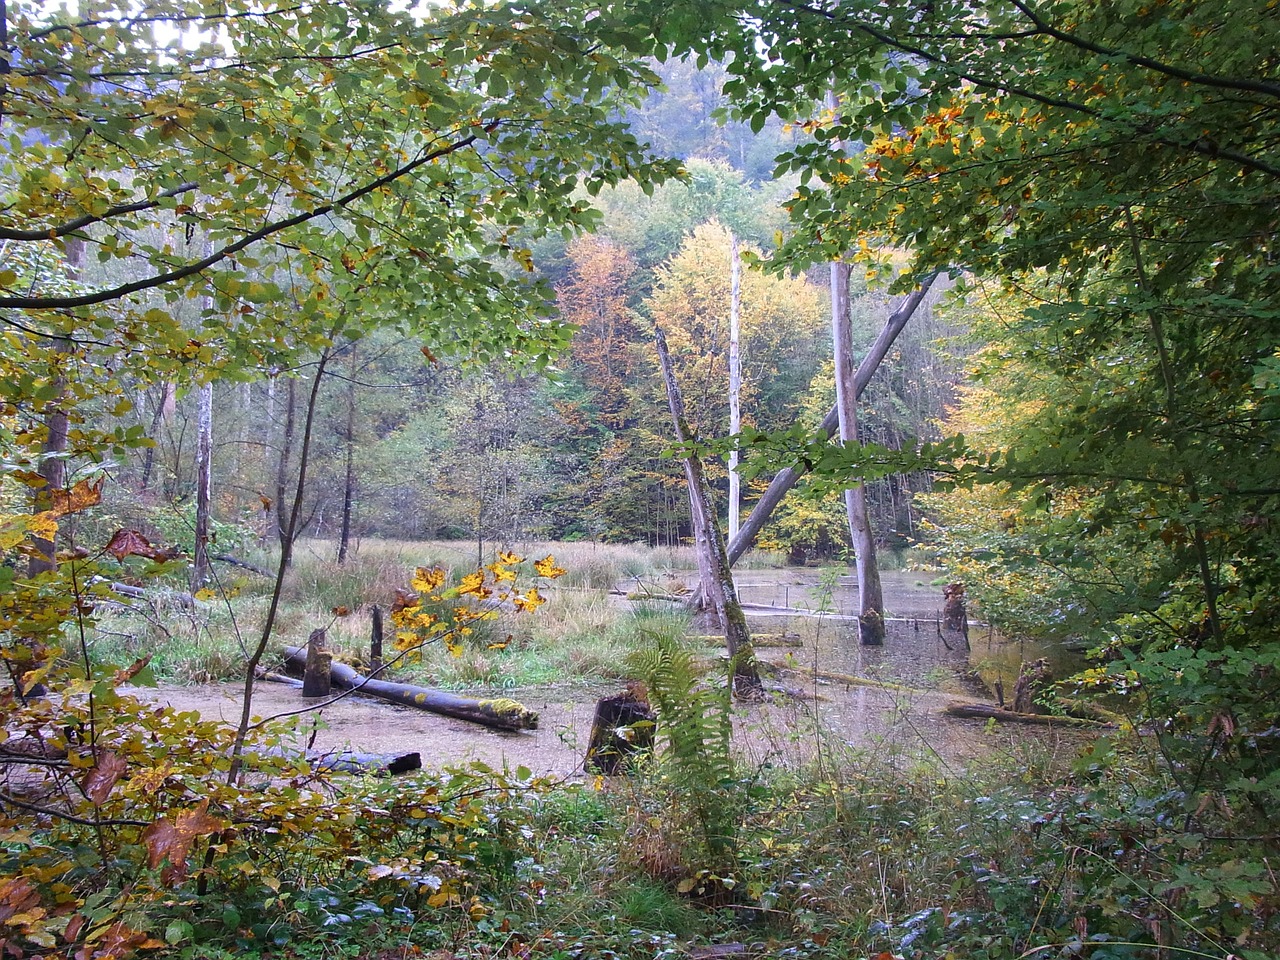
(848, 720)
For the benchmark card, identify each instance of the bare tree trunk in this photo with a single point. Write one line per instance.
(53, 464)
(204, 478)
(715, 577)
(349, 481)
(163, 409)
(870, 593)
(284, 524)
(787, 478)
(735, 382)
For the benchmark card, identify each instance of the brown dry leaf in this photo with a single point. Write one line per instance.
(110, 943)
(81, 496)
(404, 599)
(16, 896)
(130, 543)
(173, 840)
(74, 926)
(104, 775)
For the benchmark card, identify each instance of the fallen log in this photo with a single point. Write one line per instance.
(982, 711)
(757, 639)
(499, 713)
(243, 564)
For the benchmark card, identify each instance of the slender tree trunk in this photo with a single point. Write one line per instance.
(870, 594)
(157, 421)
(715, 577)
(284, 521)
(785, 479)
(53, 464)
(735, 382)
(204, 482)
(349, 481)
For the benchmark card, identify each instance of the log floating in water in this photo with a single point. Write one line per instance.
(500, 713)
(982, 711)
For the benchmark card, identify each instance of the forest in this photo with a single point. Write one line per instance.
(876, 403)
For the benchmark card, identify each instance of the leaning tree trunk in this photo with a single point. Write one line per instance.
(715, 576)
(787, 478)
(870, 593)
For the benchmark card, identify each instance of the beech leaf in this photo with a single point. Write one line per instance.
(104, 775)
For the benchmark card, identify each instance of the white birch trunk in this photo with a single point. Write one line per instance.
(735, 382)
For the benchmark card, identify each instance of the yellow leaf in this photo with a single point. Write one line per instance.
(510, 558)
(530, 601)
(425, 580)
(546, 567)
(43, 525)
(473, 583)
(204, 594)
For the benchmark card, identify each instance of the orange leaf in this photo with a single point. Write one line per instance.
(131, 671)
(82, 496)
(104, 775)
(341, 611)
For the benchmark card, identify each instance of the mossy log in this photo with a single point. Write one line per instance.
(499, 713)
(984, 711)
(757, 639)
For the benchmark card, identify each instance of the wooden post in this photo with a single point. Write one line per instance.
(316, 681)
(375, 643)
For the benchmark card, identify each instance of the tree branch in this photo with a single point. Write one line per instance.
(191, 269)
(52, 233)
(1240, 84)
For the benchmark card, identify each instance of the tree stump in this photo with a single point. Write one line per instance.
(1032, 678)
(953, 606)
(317, 675)
(623, 726)
(375, 643)
(954, 615)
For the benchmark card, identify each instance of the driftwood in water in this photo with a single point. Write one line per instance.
(986, 711)
(316, 673)
(623, 727)
(499, 713)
